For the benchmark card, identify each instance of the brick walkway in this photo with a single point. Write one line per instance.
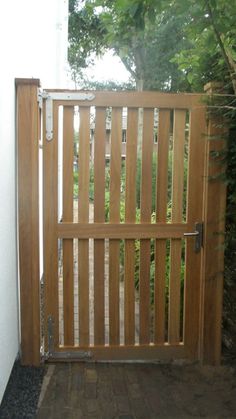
(138, 391)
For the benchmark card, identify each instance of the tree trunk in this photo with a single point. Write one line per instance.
(139, 85)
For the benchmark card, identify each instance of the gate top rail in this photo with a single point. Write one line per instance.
(131, 99)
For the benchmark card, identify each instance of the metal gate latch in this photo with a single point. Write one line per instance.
(198, 233)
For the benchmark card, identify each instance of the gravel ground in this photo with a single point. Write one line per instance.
(21, 396)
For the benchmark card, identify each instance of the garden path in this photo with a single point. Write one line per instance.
(137, 391)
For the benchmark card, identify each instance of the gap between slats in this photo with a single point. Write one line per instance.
(176, 216)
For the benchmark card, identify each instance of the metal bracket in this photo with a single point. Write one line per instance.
(198, 233)
(41, 95)
(71, 96)
(73, 355)
(64, 355)
(39, 98)
(50, 335)
(49, 97)
(49, 118)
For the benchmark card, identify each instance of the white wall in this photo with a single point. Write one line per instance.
(33, 43)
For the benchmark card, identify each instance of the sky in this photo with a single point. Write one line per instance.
(108, 67)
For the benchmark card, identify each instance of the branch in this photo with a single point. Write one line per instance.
(222, 107)
(231, 60)
(128, 67)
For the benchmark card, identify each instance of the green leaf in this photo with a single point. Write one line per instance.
(190, 77)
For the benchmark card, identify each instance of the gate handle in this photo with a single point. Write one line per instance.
(198, 233)
(194, 233)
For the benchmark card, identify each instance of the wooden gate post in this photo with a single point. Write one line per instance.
(28, 217)
(213, 247)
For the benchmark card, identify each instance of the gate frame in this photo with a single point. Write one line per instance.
(28, 135)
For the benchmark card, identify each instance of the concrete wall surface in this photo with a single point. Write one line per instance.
(33, 37)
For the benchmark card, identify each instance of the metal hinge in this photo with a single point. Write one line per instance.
(41, 95)
(50, 336)
(64, 355)
(49, 97)
(71, 355)
(198, 233)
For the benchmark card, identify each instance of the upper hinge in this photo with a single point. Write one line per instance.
(41, 95)
(64, 96)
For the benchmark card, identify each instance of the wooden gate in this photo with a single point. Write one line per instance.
(123, 211)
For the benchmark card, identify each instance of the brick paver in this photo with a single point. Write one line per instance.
(138, 391)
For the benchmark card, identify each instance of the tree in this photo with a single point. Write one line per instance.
(145, 34)
(86, 37)
(148, 34)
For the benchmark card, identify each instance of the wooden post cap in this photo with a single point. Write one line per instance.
(21, 81)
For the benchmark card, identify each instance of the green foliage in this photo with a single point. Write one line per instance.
(138, 181)
(153, 38)
(105, 85)
(174, 45)
(75, 174)
(84, 27)
(222, 109)
(211, 32)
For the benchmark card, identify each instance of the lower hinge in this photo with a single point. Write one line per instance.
(51, 354)
(69, 355)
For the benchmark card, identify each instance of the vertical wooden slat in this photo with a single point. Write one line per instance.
(68, 271)
(99, 216)
(146, 209)
(83, 216)
(194, 214)
(177, 210)
(130, 217)
(161, 215)
(213, 245)
(50, 212)
(114, 245)
(28, 213)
